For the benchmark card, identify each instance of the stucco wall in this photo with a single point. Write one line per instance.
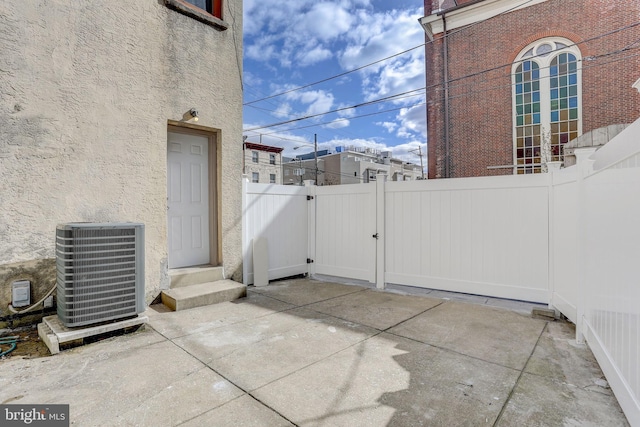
(86, 90)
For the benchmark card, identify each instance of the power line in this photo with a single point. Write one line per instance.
(475, 74)
(273, 111)
(587, 66)
(386, 58)
(536, 56)
(386, 98)
(511, 84)
(344, 118)
(333, 77)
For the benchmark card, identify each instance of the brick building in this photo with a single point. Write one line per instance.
(514, 81)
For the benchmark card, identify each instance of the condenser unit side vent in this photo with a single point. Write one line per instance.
(100, 272)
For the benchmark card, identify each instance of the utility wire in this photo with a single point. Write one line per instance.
(536, 56)
(395, 99)
(468, 93)
(310, 116)
(333, 77)
(448, 34)
(511, 84)
(344, 118)
(475, 74)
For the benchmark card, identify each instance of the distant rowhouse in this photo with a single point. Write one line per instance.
(262, 163)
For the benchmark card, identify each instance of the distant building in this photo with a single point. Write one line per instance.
(262, 163)
(349, 165)
(506, 76)
(296, 170)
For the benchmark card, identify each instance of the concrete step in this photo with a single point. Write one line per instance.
(202, 294)
(181, 277)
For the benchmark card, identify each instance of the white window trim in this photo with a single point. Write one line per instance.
(545, 85)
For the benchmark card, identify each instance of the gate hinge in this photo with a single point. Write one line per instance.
(309, 261)
(309, 197)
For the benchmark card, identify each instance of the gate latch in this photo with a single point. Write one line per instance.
(375, 236)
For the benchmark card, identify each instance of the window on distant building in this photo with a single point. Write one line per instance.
(254, 156)
(546, 102)
(272, 178)
(272, 159)
(255, 177)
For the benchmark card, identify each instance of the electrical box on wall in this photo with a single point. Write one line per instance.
(21, 293)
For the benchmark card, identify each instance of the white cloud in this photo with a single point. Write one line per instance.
(251, 79)
(410, 152)
(389, 126)
(283, 111)
(263, 49)
(376, 37)
(338, 124)
(309, 36)
(413, 122)
(276, 30)
(317, 101)
(310, 57)
(324, 21)
(348, 112)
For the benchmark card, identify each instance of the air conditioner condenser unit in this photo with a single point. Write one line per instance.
(100, 272)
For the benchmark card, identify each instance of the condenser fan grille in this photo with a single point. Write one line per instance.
(100, 272)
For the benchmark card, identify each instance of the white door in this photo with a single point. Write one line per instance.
(188, 200)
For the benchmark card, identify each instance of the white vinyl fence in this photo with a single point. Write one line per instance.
(345, 223)
(279, 214)
(609, 276)
(569, 238)
(485, 236)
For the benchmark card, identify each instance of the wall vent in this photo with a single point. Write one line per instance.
(100, 272)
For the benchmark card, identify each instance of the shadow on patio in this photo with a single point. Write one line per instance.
(315, 353)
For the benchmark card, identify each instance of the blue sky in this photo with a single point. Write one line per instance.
(288, 44)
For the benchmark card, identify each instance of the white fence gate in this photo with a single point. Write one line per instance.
(278, 213)
(570, 238)
(345, 225)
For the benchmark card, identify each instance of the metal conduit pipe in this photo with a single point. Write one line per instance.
(445, 78)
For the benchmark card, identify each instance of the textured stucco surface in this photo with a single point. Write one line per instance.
(86, 90)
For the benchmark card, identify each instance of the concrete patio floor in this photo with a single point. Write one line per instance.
(315, 353)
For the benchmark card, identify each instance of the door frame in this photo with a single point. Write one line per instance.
(214, 181)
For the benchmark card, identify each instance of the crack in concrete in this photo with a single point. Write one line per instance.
(506, 402)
